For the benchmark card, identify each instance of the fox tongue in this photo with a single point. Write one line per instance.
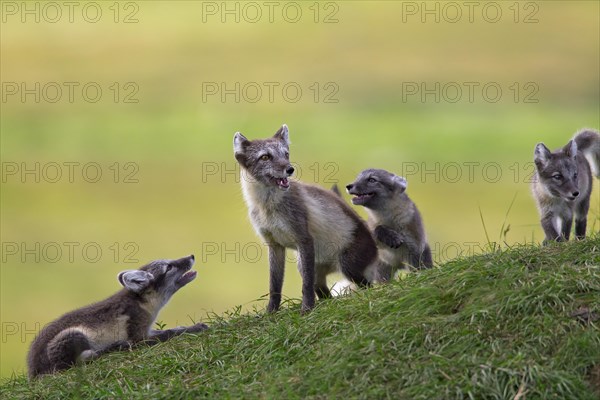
(283, 182)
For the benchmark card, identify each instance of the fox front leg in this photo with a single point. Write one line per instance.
(306, 264)
(581, 212)
(276, 268)
(157, 336)
(388, 236)
(566, 228)
(550, 230)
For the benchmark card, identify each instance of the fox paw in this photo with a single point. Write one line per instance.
(198, 327)
(388, 237)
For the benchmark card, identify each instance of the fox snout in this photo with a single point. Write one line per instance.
(569, 193)
(355, 187)
(186, 261)
(281, 168)
(185, 273)
(358, 187)
(570, 190)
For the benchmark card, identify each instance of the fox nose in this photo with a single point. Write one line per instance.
(349, 186)
(289, 170)
(575, 194)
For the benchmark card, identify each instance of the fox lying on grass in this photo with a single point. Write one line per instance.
(562, 184)
(115, 323)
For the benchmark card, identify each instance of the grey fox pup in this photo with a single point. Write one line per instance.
(328, 235)
(394, 219)
(562, 184)
(116, 323)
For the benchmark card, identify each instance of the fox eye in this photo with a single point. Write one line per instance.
(372, 180)
(265, 157)
(169, 267)
(558, 177)
(287, 155)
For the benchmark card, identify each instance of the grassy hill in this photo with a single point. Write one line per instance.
(515, 324)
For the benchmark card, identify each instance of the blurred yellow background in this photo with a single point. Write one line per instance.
(117, 121)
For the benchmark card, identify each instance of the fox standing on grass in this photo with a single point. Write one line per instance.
(562, 184)
(328, 235)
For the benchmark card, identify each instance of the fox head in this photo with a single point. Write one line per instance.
(374, 187)
(159, 279)
(266, 160)
(557, 171)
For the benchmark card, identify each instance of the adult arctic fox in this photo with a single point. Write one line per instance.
(328, 235)
(562, 184)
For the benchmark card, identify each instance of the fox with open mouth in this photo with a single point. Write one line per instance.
(328, 235)
(395, 220)
(117, 323)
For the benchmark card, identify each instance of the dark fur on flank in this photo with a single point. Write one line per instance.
(562, 184)
(327, 234)
(394, 219)
(114, 324)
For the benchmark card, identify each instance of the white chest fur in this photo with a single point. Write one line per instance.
(327, 224)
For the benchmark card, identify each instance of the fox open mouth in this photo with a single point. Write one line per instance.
(187, 277)
(282, 183)
(360, 198)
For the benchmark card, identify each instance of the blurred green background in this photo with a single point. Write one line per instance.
(168, 185)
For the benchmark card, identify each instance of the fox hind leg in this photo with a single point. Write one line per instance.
(321, 287)
(67, 349)
(384, 272)
(353, 270)
(426, 260)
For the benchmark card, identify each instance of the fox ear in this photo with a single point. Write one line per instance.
(239, 143)
(135, 280)
(571, 149)
(400, 182)
(541, 155)
(283, 134)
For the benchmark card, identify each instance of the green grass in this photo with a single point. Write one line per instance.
(494, 326)
(172, 133)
